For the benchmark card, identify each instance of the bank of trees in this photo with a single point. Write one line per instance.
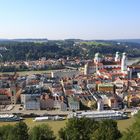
(75, 129)
(20, 131)
(66, 48)
(33, 51)
(88, 129)
(17, 132)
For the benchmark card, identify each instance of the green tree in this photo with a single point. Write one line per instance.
(78, 129)
(133, 132)
(6, 132)
(41, 132)
(20, 131)
(107, 130)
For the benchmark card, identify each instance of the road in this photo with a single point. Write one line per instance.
(19, 109)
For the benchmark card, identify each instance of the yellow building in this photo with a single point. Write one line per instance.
(106, 87)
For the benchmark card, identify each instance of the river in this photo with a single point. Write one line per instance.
(133, 60)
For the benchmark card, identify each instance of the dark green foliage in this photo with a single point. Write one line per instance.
(78, 129)
(41, 132)
(88, 129)
(20, 131)
(59, 49)
(6, 132)
(29, 51)
(17, 132)
(107, 130)
(133, 133)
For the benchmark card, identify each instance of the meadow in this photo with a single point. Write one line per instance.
(23, 73)
(57, 125)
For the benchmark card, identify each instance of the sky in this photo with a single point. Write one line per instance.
(63, 19)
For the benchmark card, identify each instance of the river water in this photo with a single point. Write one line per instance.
(133, 60)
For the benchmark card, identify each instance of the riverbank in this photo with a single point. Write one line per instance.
(23, 73)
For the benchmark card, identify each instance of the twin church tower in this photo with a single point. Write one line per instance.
(123, 61)
(100, 63)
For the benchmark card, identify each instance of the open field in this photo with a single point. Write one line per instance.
(96, 43)
(22, 73)
(124, 124)
(56, 125)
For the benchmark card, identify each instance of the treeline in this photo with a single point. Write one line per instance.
(34, 51)
(75, 129)
(25, 68)
(20, 131)
(13, 68)
(63, 48)
(111, 47)
(29, 51)
(82, 129)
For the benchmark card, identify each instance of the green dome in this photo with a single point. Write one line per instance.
(97, 54)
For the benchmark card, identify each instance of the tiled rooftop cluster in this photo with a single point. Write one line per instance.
(107, 82)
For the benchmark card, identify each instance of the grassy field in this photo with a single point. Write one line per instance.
(96, 43)
(22, 73)
(124, 124)
(56, 125)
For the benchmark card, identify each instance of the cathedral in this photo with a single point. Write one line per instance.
(108, 66)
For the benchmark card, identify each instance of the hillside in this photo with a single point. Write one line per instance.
(17, 50)
(130, 40)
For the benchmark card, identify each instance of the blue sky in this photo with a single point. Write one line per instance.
(61, 19)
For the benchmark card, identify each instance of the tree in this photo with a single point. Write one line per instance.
(107, 130)
(6, 132)
(41, 132)
(78, 129)
(133, 132)
(20, 131)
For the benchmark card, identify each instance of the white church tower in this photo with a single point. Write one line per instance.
(86, 69)
(97, 58)
(117, 57)
(124, 63)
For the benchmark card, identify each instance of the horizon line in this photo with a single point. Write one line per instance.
(35, 38)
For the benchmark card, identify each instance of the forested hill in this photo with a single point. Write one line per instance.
(130, 40)
(15, 50)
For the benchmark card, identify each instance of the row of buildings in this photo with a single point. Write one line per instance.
(103, 83)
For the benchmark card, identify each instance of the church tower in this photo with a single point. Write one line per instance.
(117, 57)
(124, 63)
(97, 58)
(86, 69)
(13, 89)
(13, 92)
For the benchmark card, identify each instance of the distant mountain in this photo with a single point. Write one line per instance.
(129, 40)
(24, 40)
(2, 40)
(75, 40)
(31, 40)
